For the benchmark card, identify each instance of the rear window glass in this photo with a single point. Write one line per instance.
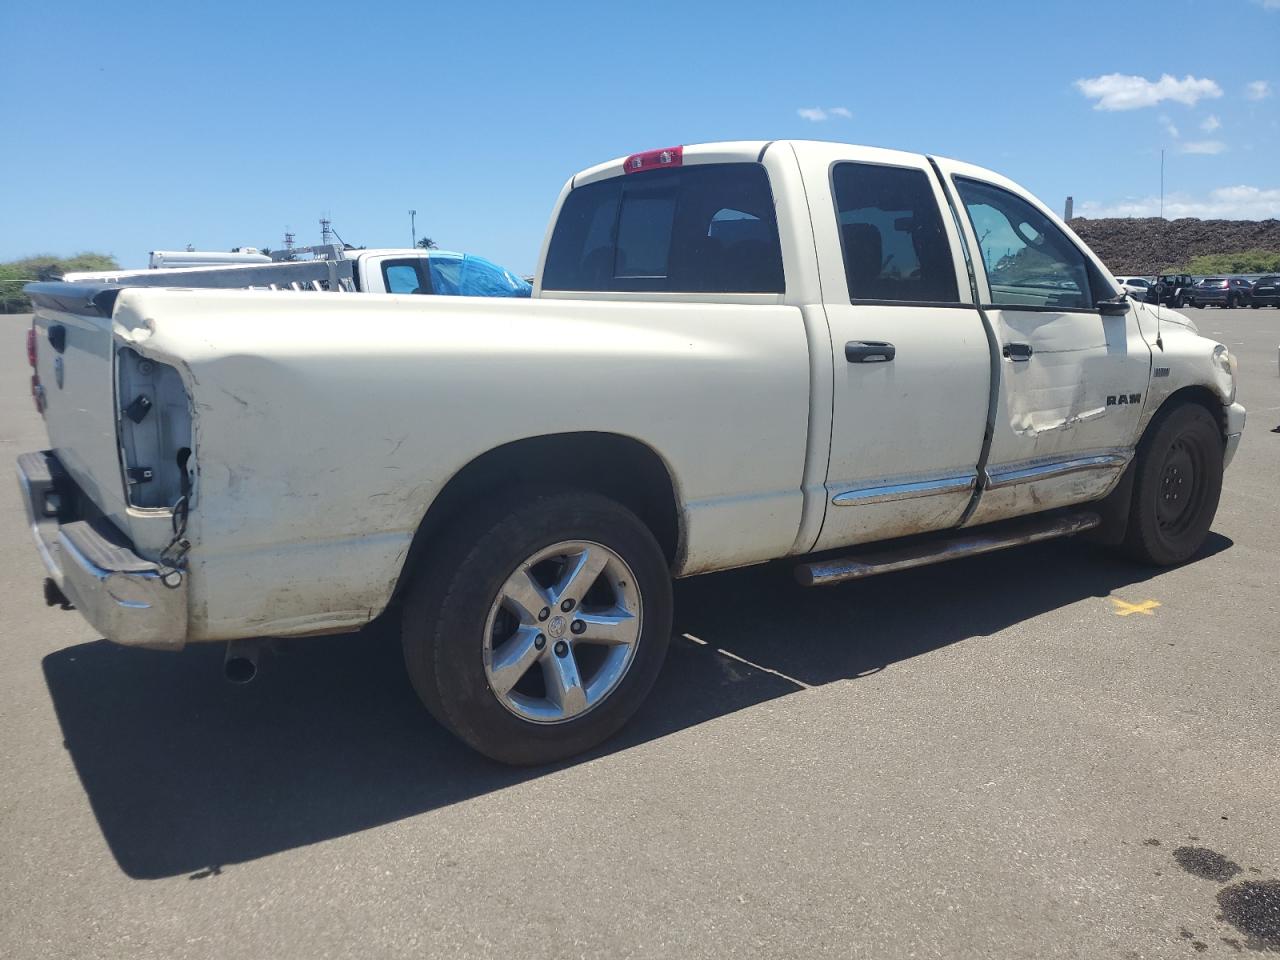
(891, 232)
(403, 277)
(708, 228)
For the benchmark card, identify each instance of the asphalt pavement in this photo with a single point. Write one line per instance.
(1048, 752)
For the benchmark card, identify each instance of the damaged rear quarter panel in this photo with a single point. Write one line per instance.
(324, 426)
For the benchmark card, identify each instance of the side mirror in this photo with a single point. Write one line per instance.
(1115, 307)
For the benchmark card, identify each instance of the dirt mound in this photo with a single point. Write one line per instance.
(1137, 247)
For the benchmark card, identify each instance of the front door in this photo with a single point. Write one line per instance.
(1072, 377)
(911, 358)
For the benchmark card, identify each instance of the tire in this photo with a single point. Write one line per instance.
(1198, 305)
(460, 615)
(1177, 303)
(1177, 484)
(1254, 306)
(1231, 303)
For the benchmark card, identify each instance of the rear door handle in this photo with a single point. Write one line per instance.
(869, 351)
(1017, 351)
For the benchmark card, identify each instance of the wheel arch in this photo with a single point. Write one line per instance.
(1115, 507)
(1199, 394)
(617, 466)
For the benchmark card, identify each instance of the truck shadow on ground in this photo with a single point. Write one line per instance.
(187, 774)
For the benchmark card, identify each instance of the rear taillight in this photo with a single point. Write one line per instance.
(31, 346)
(654, 160)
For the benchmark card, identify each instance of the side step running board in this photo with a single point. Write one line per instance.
(820, 573)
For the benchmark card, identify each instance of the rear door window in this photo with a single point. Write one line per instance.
(404, 276)
(707, 228)
(891, 233)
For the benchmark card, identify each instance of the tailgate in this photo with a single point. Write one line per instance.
(75, 361)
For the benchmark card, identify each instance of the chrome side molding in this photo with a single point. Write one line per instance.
(905, 491)
(1009, 476)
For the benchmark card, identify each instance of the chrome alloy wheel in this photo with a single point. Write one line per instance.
(562, 631)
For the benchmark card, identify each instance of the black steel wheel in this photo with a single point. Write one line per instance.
(1176, 487)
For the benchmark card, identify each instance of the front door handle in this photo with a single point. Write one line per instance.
(869, 351)
(1017, 351)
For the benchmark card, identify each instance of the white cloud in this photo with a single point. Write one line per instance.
(1225, 203)
(1118, 91)
(1257, 90)
(818, 114)
(1210, 124)
(1169, 126)
(1204, 146)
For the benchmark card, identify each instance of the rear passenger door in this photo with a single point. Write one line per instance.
(1071, 376)
(911, 358)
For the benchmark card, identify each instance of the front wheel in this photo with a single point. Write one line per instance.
(538, 628)
(1176, 487)
(1177, 302)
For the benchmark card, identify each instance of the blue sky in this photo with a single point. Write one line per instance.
(135, 126)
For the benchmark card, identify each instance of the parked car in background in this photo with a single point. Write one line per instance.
(334, 269)
(1171, 289)
(1228, 292)
(1135, 286)
(1265, 292)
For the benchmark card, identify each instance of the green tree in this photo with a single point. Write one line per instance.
(1246, 261)
(426, 243)
(43, 266)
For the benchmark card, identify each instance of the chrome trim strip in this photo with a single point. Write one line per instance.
(905, 491)
(1010, 476)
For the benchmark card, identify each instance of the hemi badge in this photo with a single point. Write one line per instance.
(1161, 372)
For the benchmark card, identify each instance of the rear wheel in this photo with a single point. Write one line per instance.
(1177, 302)
(1177, 484)
(538, 628)
(1232, 303)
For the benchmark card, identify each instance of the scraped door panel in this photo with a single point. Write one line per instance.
(1071, 378)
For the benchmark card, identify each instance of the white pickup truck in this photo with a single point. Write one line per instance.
(853, 359)
(327, 268)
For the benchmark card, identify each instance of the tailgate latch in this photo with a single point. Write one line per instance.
(140, 475)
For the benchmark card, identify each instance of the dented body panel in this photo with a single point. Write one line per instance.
(320, 448)
(297, 442)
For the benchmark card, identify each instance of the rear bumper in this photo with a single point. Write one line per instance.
(1235, 427)
(128, 599)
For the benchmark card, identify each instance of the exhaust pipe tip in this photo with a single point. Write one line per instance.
(240, 665)
(240, 670)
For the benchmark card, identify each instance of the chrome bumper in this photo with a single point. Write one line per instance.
(128, 599)
(1235, 427)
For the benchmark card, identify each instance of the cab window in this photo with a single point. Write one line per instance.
(704, 228)
(404, 276)
(1029, 261)
(891, 233)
